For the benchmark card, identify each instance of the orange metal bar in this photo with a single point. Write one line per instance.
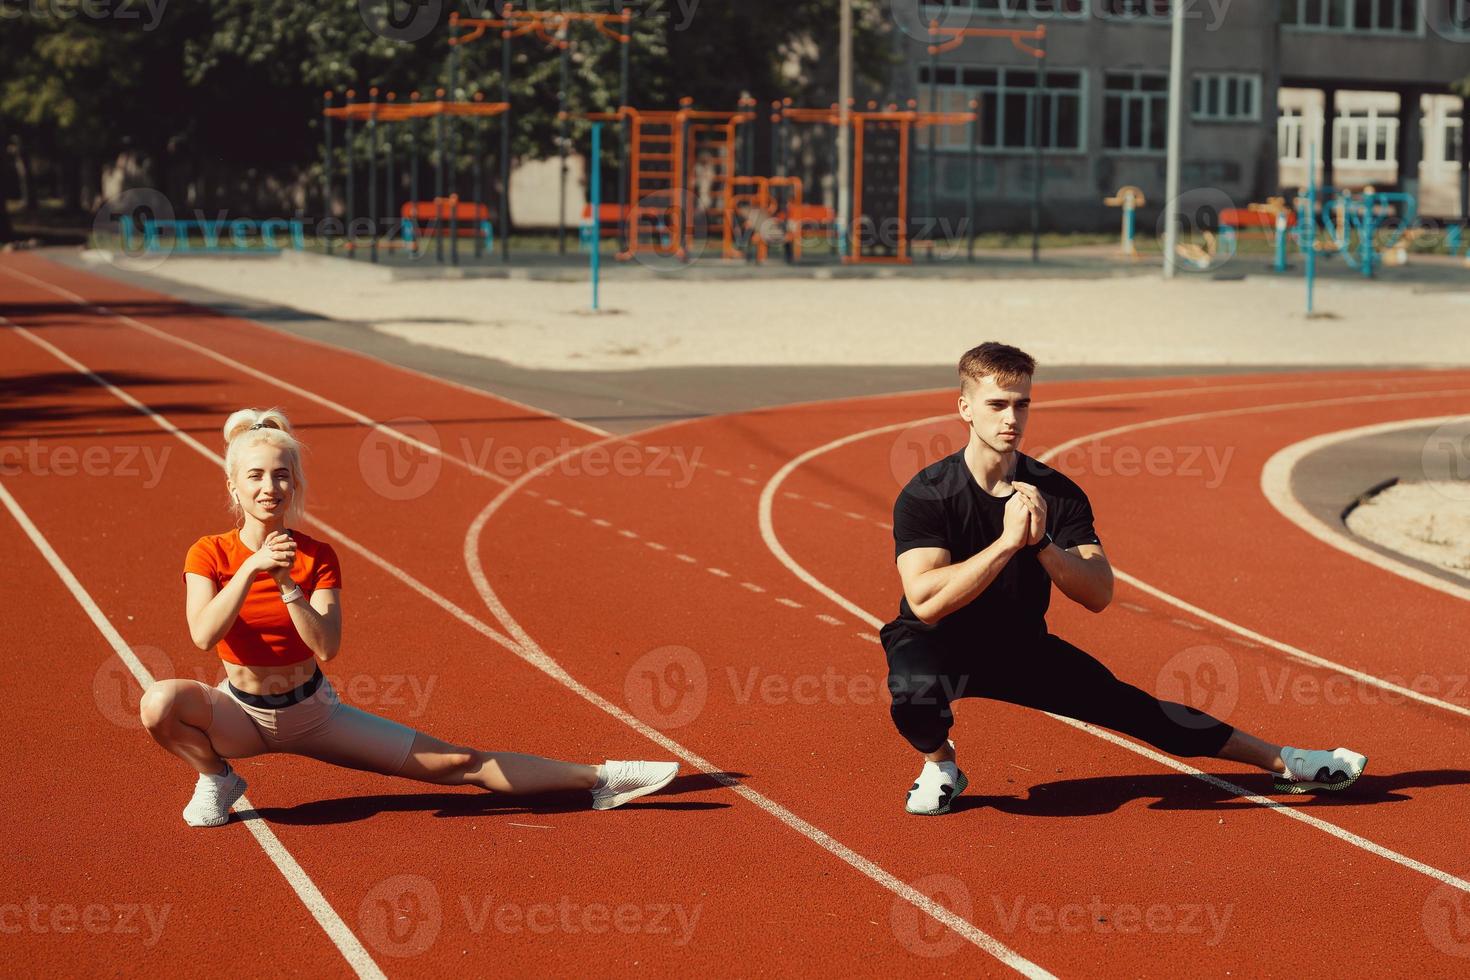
(957, 36)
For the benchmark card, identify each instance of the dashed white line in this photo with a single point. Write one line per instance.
(789, 602)
(751, 586)
(719, 572)
(831, 620)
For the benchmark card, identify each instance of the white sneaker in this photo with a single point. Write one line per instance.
(629, 780)
(1313, 769)
(935, 789)
(213, 797)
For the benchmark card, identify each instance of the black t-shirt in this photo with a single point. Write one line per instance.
(943, 507)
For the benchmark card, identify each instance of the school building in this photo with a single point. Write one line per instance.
(1364, 83)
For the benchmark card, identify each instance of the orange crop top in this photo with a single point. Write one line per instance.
(263, 634)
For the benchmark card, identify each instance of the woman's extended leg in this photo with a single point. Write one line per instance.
(431, 760)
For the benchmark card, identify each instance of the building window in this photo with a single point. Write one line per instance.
(1453, 128)
(1368, 16)
(1289, 143)
(1365, 136)
(1226, 97)
(1135, 111)
(1007, 99)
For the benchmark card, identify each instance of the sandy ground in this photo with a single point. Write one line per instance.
(1428, 521)
(690, 322)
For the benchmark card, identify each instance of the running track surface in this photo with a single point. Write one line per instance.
(612, 597)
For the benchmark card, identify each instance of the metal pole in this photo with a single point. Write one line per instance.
(970, 177)
(372, 141)
(844, 134)
(596, 193)
(1037, 128)
(439, 181)
(505, 118)
(327, 173)
(347, 151)
(561, 143)
(930, 161)
(413, 182)
(1311, 240)
(1176, 111)
(623, 96)
(390, 186)
(479, 178)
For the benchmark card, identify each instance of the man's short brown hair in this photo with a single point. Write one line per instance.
(1010, 365)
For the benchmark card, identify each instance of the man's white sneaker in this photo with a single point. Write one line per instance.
(935, 789)
(624, 781)
(1314, 769)
(213, 797)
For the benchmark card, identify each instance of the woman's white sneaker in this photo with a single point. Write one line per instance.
(1318, 769)
(213, 797)
(935, 789)
(624, 781)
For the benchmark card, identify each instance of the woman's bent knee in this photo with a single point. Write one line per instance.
(156, 708)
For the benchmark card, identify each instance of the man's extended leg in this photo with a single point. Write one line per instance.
(922, 688)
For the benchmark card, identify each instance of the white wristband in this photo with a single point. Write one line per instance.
(293, 595)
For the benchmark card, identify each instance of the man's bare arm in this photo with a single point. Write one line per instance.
(1082, 573)
(935, 588)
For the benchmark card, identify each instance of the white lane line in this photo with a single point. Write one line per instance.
(829, 620)
(600, 522)
(792, 603)
(332, 348)
(687, 559)
(528, 650)
(1276, 485)
(628, 534)
(1133, 607)
(768, 534)
(1186, 624)
(306, 890)
(656, 546)
(751, 586)
(718, 572)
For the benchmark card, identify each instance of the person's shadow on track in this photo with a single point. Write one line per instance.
(1107, 794)
(478, 803)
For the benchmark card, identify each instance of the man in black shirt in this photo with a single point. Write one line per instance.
(981, 536)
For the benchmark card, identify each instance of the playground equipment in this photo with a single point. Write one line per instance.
(1272, 220)
(954, 37)
(881, 141)
(1130, 199)
(1356, 224)
(446, 214)
(553, 27)
(771, 211)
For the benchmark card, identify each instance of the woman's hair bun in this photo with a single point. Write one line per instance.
(247, 419)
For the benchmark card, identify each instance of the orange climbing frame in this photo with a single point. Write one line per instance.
(905, 121)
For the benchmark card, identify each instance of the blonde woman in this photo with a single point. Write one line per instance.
(268, 597)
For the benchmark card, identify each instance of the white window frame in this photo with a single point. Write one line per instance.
(1131, 98)
(1370, 120)
(1291, 127)
(1199, 100)
(955, 97)
(1325, 21)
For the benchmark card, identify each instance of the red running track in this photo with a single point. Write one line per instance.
(653, 588)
